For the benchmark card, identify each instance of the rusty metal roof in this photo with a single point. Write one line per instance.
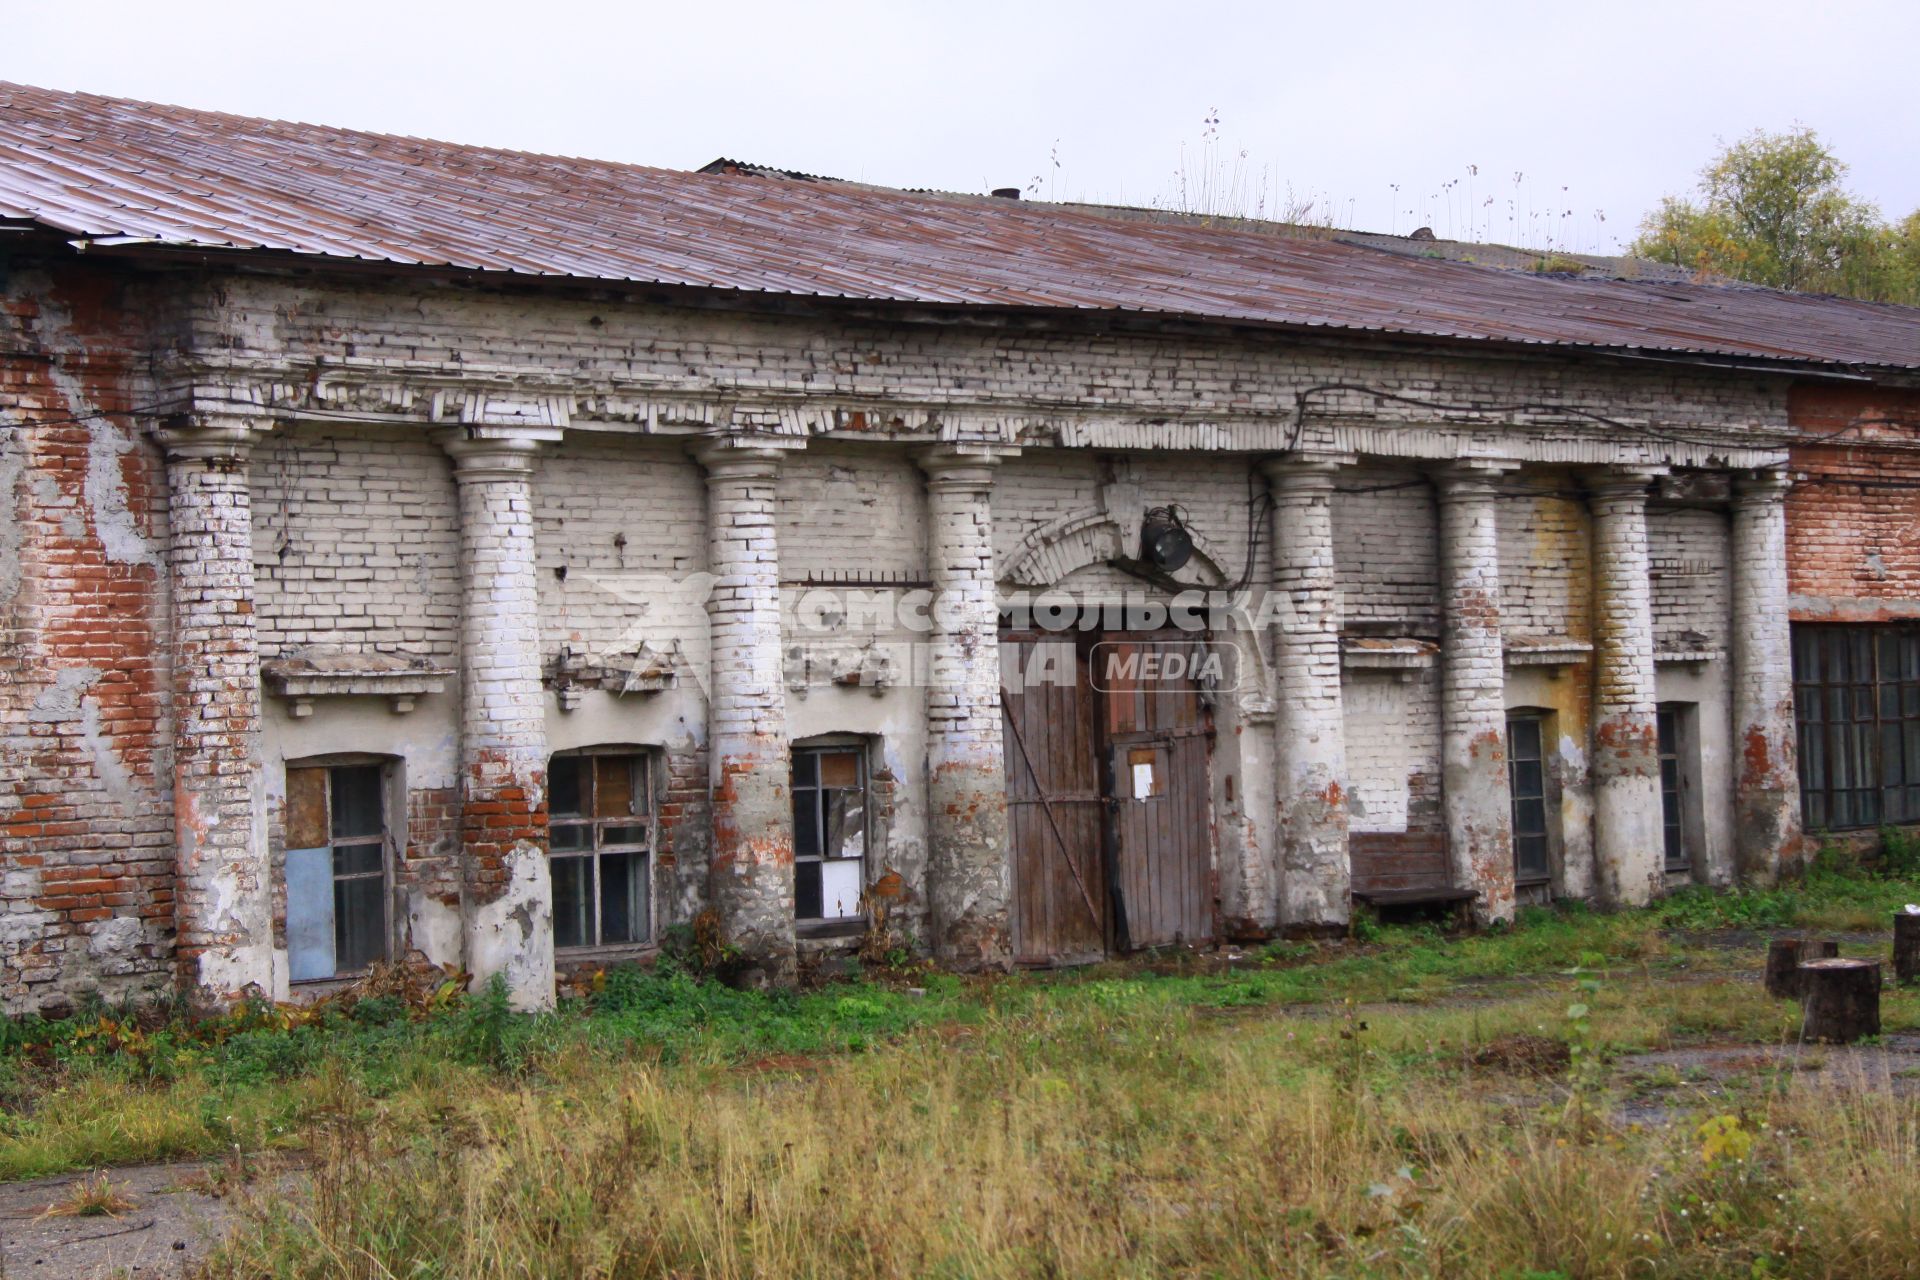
(106, 168)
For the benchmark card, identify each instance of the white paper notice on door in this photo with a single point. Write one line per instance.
(1143, 778)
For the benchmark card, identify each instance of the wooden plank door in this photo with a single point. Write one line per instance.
(1061, 908)
(1158, 732)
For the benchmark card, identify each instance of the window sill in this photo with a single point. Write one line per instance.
(333, 981)
(620, 951)
(844, 927)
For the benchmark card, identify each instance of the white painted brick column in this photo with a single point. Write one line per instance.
(503, 727)
(1310, 752)
(969, 880)
(1475, 792)
(1766, 815)
(1628, 831)
(752, 863)
(223, 902)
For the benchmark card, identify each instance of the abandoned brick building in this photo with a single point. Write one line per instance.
(424, 551)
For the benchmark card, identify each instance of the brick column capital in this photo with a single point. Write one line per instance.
(732, 459)
(959, 467)
(218, 441)
(1303, 474)
(1618, 486)
(482, 454)
(1761, 486)
(1470, 479)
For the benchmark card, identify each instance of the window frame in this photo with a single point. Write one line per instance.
(1673, 737)
(1845, 675)
(383, 840)
(1540, 720)
(863, 787)
(642, 789)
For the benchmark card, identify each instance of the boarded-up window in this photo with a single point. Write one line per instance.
(829, 831)
(601, 829)
(336, 870)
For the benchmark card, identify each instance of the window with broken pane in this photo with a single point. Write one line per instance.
(336, 869)
(829, 831)
(600, 832)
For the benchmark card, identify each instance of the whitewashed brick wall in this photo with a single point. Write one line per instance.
(1393, 734)
(1687, 552)
(1386, 544)
(1546, 576)
(852, 511)
(1042, 486)
(617, 513)
(356, 543)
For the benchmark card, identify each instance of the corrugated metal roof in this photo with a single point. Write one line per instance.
(105, 167)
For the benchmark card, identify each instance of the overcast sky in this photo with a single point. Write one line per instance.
(1566, 111)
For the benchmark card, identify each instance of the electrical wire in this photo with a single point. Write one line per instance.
(1485, 409)
(99, 414)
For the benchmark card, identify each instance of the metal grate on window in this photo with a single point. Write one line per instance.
(600, 831)
(1527, 779)
(1857, 702)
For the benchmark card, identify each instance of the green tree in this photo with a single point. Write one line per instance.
(1772, 210)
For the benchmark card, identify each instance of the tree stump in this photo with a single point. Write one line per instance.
(1784, 958)
(1906, 947)
(1840, 1001)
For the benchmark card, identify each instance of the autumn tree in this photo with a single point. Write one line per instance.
(1772, 209)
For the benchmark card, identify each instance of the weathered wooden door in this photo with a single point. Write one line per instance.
(1157, 728)
(1061, 895)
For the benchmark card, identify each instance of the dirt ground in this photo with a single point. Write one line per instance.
(177, 1214)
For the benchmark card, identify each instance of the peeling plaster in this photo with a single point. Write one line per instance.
(60, 701)
(114, 775)
(114, 522)
(13, 463)
(513, 934)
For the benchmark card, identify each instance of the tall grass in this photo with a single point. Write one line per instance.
(1086, 1142)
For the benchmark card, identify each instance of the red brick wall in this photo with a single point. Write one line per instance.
(86, 837)
(1853, 518)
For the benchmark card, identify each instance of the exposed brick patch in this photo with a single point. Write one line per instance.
(86, 840)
